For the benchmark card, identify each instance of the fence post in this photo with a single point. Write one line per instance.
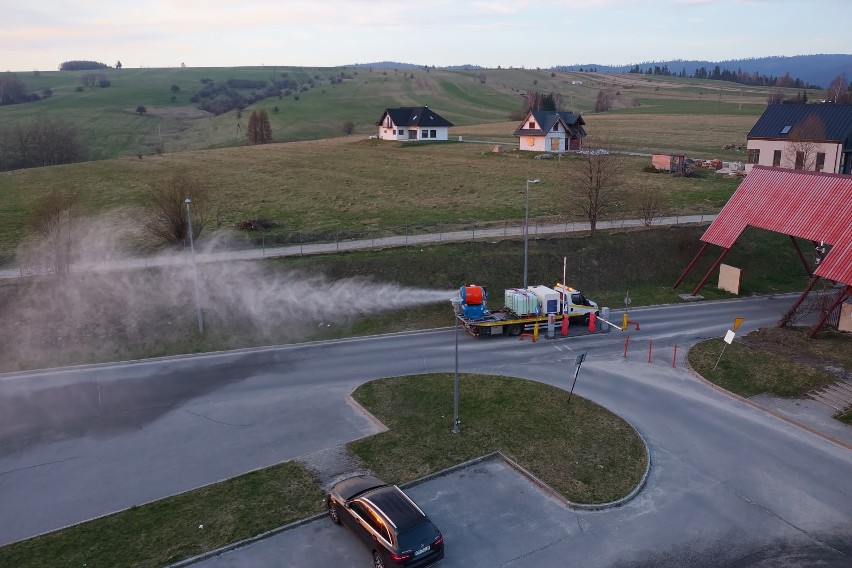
(650, 347)
(301, 247)
(473, 231)
(337, 240)
(440, 233)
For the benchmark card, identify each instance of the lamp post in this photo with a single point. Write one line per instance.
(456, 301)
(527, 228)
(188, 201)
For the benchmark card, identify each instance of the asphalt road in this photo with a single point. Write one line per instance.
(729, 484)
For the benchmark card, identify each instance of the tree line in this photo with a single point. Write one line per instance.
(43, 142)
(719, 74)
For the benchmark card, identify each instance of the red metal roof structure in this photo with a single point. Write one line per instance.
(808, 205)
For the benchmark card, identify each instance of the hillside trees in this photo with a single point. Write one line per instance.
(13, 91)
(167, 221)
(533, 100)
(43, 142)
(603, 102)
(82, 65)
(259, 131)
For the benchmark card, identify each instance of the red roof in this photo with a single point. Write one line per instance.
(808, 205)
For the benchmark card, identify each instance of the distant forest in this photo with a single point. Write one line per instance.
(719, 74)
(817, 69)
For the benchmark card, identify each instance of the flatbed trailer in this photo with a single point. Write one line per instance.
(503, 322)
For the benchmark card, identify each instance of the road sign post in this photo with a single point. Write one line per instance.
(578, 361)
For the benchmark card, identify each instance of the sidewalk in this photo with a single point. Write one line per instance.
(357, 244)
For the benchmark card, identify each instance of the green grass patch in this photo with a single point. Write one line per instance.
(782, 362)
(580, 449)
(845, 417)
(168, 530)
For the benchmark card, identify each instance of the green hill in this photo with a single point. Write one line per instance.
(111, 127)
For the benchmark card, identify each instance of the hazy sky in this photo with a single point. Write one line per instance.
(41, 34)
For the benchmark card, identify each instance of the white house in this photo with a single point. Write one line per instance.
(551, 131)
(813, 137)
(413, 123)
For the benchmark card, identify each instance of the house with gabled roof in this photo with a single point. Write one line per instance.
(810, 137)
(551, 131)
(413, 123)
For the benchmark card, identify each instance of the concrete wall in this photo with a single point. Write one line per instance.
(767, 150)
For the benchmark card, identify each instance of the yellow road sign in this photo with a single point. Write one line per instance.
(737, 322)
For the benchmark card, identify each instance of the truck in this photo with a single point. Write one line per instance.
(523, 308)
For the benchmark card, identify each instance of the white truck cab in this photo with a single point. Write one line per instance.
(576, 305)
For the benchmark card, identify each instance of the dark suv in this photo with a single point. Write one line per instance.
(392, 525)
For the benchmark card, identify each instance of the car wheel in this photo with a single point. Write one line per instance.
(586, 319)
(378, 561)
(332, 512)
(515, 330)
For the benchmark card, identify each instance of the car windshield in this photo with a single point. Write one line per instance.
(423, 533)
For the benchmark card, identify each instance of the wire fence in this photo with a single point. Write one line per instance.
(271, 238)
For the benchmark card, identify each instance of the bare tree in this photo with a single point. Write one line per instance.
(55, 219)
(167, 221)
(593, 176)
(348, 127)
(649, 206)
(804, 142)
(837, 91)
(259, 130)
(604, 101)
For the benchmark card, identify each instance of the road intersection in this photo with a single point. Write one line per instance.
(728, 482)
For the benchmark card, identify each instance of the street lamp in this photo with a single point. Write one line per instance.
(194, 269)
(527, 228)
(456, 301)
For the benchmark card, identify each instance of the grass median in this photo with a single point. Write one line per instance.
(580, 449)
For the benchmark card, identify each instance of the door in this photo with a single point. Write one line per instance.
(554, 145)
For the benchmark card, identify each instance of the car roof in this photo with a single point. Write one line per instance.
(399, 509)
(352, 486)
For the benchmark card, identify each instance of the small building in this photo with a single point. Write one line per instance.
(672, 163)
(809, 137)
(413, 123)
(551, 131)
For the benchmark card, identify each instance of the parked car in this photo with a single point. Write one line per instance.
(387, 520)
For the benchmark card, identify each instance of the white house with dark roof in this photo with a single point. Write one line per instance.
(812, 137)
(551, 131)
(413, 123)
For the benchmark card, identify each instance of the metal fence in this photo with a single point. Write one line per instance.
(276, 241)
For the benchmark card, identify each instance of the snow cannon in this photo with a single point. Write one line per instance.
(473, 301)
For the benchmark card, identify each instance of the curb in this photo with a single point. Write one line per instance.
(498, 455)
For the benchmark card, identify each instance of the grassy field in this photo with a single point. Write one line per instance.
(581, 449)
(118, 316)
(783, 362)
(347, 184)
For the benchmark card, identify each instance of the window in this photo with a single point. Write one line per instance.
(754, 156)
(800, 160)
(820, 162)
(434, 133)
(776, 159)
(394, 131)
(556, 127)
(425, 134)
(531, 124)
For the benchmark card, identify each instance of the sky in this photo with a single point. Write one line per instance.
(41, 34)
